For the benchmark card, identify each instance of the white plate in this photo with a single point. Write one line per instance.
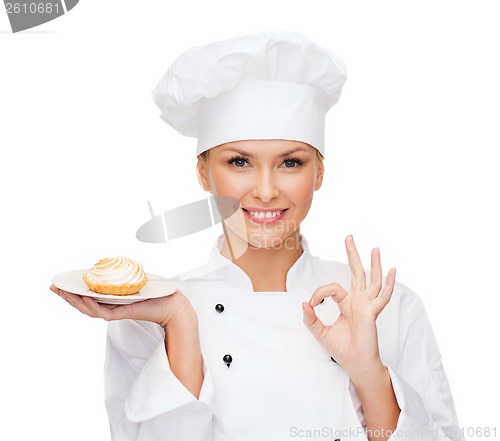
(72, 281)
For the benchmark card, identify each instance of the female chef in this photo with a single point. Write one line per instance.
(267, 342)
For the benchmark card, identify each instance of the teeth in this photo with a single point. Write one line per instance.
(265, 214)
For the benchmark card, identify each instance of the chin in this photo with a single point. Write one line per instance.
(244, 234)
(272, 241)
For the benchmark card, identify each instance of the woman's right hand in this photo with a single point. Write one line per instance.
(174, 313)
(166, 311)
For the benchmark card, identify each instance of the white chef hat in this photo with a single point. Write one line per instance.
(271, 85)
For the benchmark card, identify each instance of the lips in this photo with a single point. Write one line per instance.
(267, 215)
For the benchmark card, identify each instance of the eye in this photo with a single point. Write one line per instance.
(238, 162)
(292, 163)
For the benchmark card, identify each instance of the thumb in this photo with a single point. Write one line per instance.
(311, 320)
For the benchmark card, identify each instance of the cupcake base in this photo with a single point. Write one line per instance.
(117, 290)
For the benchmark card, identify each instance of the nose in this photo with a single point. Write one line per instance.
(265, 187)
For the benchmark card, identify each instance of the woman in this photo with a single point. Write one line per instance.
(267, 342)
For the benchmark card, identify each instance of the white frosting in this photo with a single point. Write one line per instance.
(116, 271)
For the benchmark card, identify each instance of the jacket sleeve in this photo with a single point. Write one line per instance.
(419, 380)
(143, 398)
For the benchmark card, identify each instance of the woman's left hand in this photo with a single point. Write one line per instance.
(352, 339)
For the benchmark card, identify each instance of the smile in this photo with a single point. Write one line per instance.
(265, 216)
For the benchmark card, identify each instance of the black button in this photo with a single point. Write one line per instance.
(219, 308)
(333, 359)
(227, 359)
(322, 300)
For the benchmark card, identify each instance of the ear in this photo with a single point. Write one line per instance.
(319, 175)
(202, 172)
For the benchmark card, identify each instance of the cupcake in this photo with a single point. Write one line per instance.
(117, 276)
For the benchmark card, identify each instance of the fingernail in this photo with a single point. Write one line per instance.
(312, 303)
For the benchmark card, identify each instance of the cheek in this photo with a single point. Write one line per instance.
(300, 190)
(228, 184)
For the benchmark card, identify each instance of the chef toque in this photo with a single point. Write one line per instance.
(271, 85)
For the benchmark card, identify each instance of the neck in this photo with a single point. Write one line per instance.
(266, 267)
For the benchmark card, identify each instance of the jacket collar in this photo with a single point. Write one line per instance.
(300, 273)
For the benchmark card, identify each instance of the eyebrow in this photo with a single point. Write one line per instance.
(249, 155)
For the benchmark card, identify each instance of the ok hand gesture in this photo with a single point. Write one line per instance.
(352, 339)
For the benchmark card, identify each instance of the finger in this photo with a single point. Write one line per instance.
(107, 312)
(79, 302)
(60, 291)
(74, 300)
(385, 295)
(312, 322)
(333, 290)
(375, 275)
(358, 276)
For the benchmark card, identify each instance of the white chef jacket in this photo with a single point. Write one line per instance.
(281, 383)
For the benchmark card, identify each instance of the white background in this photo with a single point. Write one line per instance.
(411, 168)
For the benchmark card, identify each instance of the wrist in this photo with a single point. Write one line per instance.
(180, 314)
(368, 376)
